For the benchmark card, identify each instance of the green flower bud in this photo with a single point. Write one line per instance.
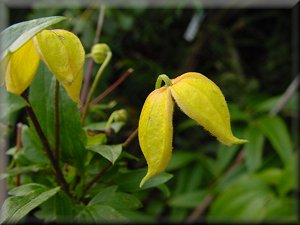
(99, 52)
(120, 115)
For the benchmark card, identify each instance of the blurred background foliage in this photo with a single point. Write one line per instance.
(248, 54)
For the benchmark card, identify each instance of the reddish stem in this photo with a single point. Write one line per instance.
(112, 87)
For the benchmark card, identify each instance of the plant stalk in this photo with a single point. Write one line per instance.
(94, 85)
(56, 115)
(59, 176)
(88, 75)
(162, 77)
(112, 87)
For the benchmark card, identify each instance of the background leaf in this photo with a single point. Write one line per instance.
(9, 104)
(277, 133)
(16, 207)
(99, 214)
(254, 148)
(188, 200)
(33, 148)
(130, 181)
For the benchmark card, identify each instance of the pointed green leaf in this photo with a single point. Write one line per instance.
(26, 189)
(245, 199)
(117, 200)
(254, 148)
(11, 103)
(59, 207)
(16, 207)
(110, 152)
(277, 133)
(188, 200)
(18, 34)
(33, 148)
(100, 214)
(180, 159)
(130, 181)
(103, 195)
(20, 170)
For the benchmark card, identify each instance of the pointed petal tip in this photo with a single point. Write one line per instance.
(145, 178)
(235, 141)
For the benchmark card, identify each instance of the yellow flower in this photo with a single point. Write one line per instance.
(199, 98)
(60, 50)
(155, 130)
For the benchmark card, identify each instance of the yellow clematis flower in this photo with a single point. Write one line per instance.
(155, 131)
(60, 50)
(199, 98)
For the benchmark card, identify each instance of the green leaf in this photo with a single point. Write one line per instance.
(254, 148)
(180, 159)
(18, 34)
(26, 189)
(188, 200)
(20, 170)
(271, 176)
(245, 199)
(72, 136)
(283, 210)
(59, 207)
(96, 139)
(103, 195)
(10, 104)
(276, 131)
(225, 155)
(138, 217)
(130, 181)
(16, 207)
(100, 214)
(33, 148)
(117, 200)
(110, 152)
(288, 181)
(116, 126)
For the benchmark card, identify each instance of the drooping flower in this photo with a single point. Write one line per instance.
(60, 50)
(199, 98)
(155, 131)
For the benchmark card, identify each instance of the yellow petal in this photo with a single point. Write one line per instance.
(202, 100)
(21, 68)
(73, 90)
(155, 131)
(62, 52)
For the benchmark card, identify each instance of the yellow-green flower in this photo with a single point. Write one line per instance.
(199, 98)
(60, 50)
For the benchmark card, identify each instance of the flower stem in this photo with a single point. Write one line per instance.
(59, 176)
(91, 61)
(162, 77)
(112, 87)
(96, 178)
(56, 115)
(94, 85)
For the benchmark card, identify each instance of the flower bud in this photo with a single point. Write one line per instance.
(120, 115)
(99, 52)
